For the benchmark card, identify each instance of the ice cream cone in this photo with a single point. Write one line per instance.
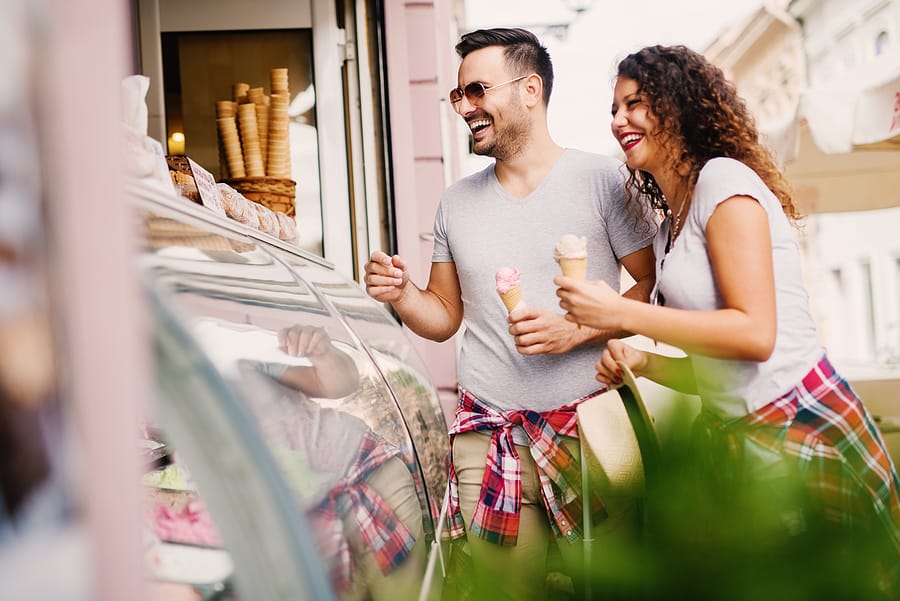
(574, 268)
(512, 298)
(570, 251)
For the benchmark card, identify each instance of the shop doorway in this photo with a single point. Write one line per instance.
(193, 53)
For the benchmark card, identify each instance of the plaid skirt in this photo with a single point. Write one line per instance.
(825, 432)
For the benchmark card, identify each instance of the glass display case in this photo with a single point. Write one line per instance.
(297, 449)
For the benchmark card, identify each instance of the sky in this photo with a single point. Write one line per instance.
(585, 60)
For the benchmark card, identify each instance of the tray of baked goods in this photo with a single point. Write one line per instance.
(198, 185)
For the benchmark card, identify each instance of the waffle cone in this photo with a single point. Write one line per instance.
(574, 268)
(512, 297)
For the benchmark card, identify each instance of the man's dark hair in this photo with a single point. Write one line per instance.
(524, 53)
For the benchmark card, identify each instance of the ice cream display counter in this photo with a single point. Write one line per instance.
(296, 448)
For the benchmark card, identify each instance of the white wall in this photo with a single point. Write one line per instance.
(853, 259)
(858, 312)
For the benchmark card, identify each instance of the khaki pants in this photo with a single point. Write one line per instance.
(519, 573)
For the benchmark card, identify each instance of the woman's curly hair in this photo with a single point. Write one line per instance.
(701, 117)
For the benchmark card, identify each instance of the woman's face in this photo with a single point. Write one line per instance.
(635, 128)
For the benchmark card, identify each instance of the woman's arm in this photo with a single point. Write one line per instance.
(740, 251)
(674, 372)
(541, 331)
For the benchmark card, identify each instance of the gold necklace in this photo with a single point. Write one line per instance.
(676, 220)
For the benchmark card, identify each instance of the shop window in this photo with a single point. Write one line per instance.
(201, 67)
(837, 337)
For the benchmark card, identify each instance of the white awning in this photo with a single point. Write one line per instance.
(841, 149)
(847, 117)
(852, 181)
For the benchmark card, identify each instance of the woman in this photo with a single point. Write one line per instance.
(729, 290)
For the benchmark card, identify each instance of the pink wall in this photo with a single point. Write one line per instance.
(418, 43)
(95, 279)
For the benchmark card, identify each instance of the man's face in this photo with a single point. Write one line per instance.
(498, 121)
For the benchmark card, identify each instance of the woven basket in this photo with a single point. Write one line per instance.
(273, 192)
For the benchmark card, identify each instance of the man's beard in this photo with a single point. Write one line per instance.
(509, 141)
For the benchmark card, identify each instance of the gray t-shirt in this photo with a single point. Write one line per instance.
(481, 228)
(685, 278)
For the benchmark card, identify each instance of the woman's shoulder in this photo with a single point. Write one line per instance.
(722, 178)
(724, 166)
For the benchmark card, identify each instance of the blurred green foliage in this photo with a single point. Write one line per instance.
(714, 530)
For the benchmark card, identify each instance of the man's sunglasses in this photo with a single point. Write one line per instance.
(476, 90)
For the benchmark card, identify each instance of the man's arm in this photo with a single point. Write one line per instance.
(434, 313)
(641, 266)
(333, 373)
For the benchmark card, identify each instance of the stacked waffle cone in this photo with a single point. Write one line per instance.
(253, 130)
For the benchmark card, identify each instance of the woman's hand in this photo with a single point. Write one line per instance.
(608, 370)
(593, 304)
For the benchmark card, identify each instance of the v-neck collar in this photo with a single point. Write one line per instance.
(495, 181)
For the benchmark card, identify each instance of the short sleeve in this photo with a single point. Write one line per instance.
(627, 232)
(441, 252)
(721, 179)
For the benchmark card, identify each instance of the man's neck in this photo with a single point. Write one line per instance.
(520, 175)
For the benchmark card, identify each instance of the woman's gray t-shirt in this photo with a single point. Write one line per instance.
(481, 228)
(685, 278)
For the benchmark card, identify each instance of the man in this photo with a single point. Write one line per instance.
(520, 376)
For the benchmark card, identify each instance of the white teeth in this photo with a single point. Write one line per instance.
(473, 125)
(630, 138)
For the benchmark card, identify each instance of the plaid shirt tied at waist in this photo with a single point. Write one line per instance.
(496, 517)
(384, 534)
(826, 431)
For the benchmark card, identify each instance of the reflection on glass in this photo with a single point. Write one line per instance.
(323, 408)
(400, 365)
(354, 484)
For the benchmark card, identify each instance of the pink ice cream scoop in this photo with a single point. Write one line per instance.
(507, 278)
(508, 287)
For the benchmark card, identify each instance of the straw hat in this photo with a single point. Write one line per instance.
(614, 428)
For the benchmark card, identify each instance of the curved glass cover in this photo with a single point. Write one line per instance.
(320, 404)
(398, 361)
